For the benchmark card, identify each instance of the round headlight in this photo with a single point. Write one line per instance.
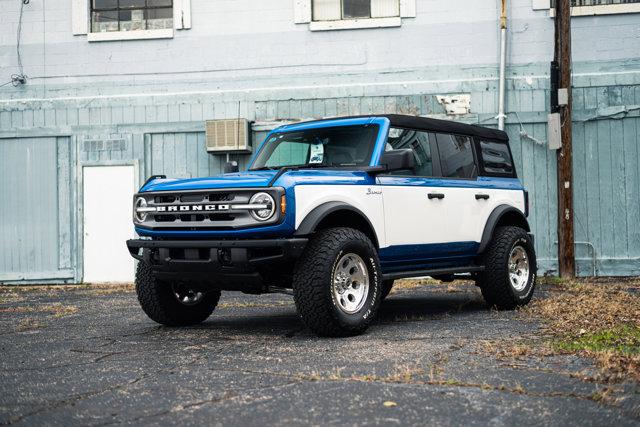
(139, 203)
(265, 213)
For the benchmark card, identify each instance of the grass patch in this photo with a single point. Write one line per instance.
(122, 288)
(624, 340)
(401, 374)
(56, 310)
(7, 298)
(415, 375)
(255, 304)
(97, 287)
(59, 310)
(29, 324)
(598, 318)
(409, 284)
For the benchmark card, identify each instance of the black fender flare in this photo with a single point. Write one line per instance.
(317, 214)
(490, 226)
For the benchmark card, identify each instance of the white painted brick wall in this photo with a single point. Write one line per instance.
(248, 39)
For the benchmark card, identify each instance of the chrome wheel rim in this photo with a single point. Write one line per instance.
(350, 283)
(518, 268)
(186, 295)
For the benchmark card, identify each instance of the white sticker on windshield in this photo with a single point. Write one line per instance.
(395, 133)
(317, 153)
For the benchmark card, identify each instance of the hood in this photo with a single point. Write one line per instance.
(255, 179)
(247, 179)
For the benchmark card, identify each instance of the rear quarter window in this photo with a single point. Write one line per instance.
(496, 158)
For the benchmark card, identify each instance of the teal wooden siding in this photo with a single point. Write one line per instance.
(164, 136)
(184, 155)
(606, 193)
(35, 213)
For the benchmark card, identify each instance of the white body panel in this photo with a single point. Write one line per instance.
(108, 192)
(404, 215)
(410, 217)
(467, 215)
(368, 199)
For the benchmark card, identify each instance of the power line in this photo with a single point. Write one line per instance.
(20, 78)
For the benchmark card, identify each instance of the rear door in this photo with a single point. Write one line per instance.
(459, 182)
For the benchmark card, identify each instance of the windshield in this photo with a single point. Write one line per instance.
(322, 147)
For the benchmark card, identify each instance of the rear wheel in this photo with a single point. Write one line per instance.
(173, 304)
(336, 283)
(509, 277)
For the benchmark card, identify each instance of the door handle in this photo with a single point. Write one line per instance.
(435, 196)
(482, 196)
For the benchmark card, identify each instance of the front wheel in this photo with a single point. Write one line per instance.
(509, 278)
(173, 304)
(336, 283)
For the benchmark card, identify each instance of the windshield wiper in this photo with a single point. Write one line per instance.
(265, 168)
(285, 169)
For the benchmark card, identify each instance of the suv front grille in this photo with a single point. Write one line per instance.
(215, 209)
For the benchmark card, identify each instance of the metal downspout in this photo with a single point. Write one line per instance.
(503, 60)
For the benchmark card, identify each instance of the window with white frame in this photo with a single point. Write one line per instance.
(104, 20)
(592, 7)
(130, 15)
(347, 14)
(332, 10)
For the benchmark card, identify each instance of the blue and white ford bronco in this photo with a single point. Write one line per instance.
(333, 211)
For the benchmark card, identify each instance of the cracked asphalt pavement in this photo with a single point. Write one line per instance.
(91, 357)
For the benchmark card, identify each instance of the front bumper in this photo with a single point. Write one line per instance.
(212, 256)
(241, 265)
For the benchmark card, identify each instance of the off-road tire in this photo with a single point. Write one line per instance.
(385, 289)
(159, 303)
(312, 287)
(494, 280)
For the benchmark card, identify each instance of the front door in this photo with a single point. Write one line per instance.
(415, 208)
(108, 200)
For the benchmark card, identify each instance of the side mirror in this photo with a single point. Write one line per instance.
(400, 159)
(231, 167)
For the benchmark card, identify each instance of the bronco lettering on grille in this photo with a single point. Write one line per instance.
(192, 208)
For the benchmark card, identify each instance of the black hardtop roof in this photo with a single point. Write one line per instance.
(435, 125)
(448, 126)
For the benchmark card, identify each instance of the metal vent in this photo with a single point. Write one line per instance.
(229, 135)
(89, 145)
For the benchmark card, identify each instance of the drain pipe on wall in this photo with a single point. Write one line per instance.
(503, 60)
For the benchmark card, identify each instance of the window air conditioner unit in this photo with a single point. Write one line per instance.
(228, 135)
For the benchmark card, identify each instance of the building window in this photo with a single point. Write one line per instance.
(107, 20)
(350, 14)
(131, 15)
(598, 2)
(592, 7)
(332, 10)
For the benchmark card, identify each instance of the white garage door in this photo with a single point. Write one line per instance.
(108, 193)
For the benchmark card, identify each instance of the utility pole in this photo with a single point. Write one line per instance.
(562, 57)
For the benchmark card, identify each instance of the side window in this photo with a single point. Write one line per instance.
(496, 159)
(419, 143)
(456, 156)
